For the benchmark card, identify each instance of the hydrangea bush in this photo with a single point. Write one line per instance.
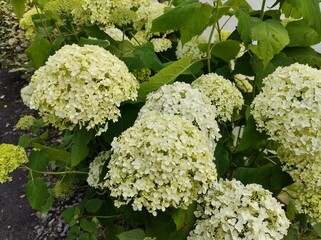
(170, 131)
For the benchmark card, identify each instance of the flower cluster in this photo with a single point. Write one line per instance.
(182, 100)
(289, 108)
(26, 122)
(231, 210)
(223, 94)
(95, 170)
(112, 12)
(80, 85)
(242, 82)
(27, 24)
(161, 161)
(73, 8)
(11, 157)
(191, 47)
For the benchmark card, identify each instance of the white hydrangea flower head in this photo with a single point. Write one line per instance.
(95, 169)
(161, 161)
(80, 85)
(289, 108)
(104, 11)
(223, 94)
(191, 48)
(116, 33)
(231, 210)
(69, 7)
(182, 100)
(161, 44)
(27, 24)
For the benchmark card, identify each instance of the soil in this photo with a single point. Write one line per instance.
(17, 220)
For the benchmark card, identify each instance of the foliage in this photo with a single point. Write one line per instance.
(202, 121)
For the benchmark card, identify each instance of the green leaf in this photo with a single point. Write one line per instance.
(24, 140)
(317, 229)
(87, 236)
(93, 205)
(184, 220)
(226, 50)
(310, 11)
(190, 17)
(48, 204)
(18, 7)
(98, 42)
(38, 52)
(291, 210)
(165, 76)
(301, 34)
(251, 137)
(222, 160)
(37, 193)
(270, 176)
(79, 150)
(271, 37)
(88, 226)
(143, 56)
(293, 232)
(135, 234)
(161, 226)
(54, 153)
(304, 55)
(73, 233)
(244, 24)
(95, 32)
(38, 160)
(71, 215)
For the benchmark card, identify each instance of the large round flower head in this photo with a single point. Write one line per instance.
(222, 92)
(11, 157)
(289, 108)
(231, 210)
(80, 85)
(110, 12)
(95, 170)
(182, 100)
(191, 47)
(161, 161)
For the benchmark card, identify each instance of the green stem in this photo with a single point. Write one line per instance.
(43, 24)
(262, 9)
(53, 173)
(210, 38)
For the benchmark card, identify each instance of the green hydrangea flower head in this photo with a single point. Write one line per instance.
(11, 157)
(223, 94)
(26, 122)
(161, 161)
(27, 24)
(289, 108)
(80, 86)
(231, 210)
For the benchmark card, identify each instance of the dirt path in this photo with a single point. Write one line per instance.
(17, 220)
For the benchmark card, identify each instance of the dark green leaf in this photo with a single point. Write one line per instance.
(301, 34)
(37, 193)
(87, 236)
(293, 232)
(38, 52)
(222, 159)
(71, 215)
(270, 176)
(226, 50)
(244, 24)
(190, 17)
(54, 153)
(161, 226)
(93, 205)
(38, 160)
(165, 76)
(73, 233)
(317, 229)
(271, 37)
(57, 43)
(18, 7)
(95, 32)
(24, 140)
(88, 226)
(48, 204)
(251, 137)
(184, 220)
(97, 42)
(135, 234)
(304, 55)
(79, 150)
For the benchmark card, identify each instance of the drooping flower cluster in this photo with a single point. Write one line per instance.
(289, 108)
(95, 170)
(182, 100)
(11, 157)
(110, 12)
(231, 210)
(80, 85)
(223, 94)
(191, 47)
(161, 161)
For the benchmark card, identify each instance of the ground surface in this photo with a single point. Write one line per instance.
(17, 220)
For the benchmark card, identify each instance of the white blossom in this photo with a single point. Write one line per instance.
(95, 170)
